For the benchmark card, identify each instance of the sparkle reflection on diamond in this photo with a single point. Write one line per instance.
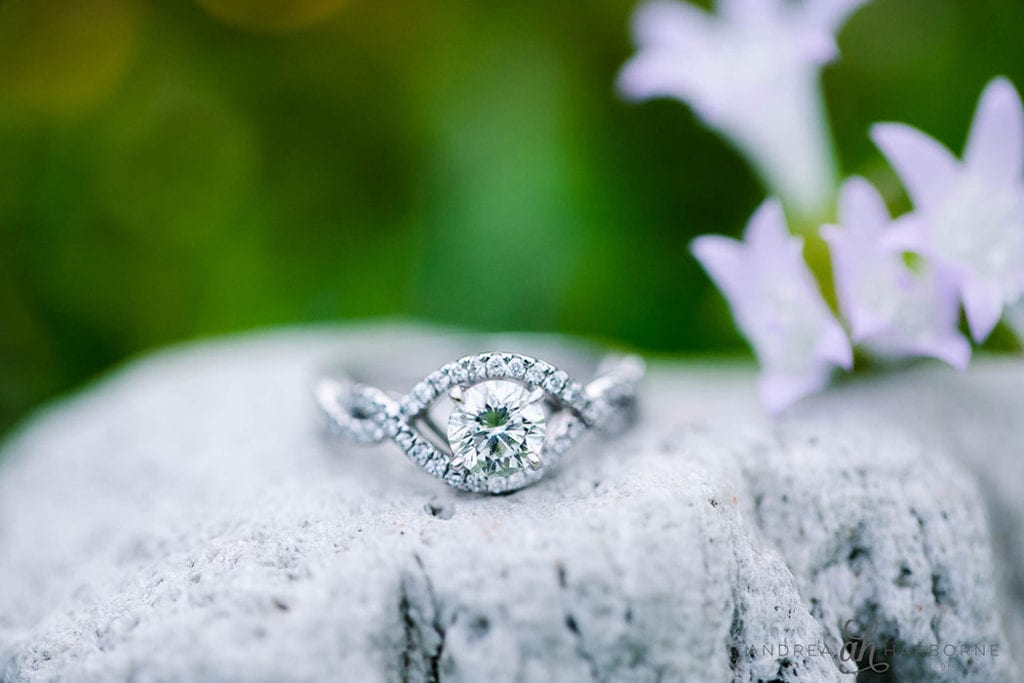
(494, 427)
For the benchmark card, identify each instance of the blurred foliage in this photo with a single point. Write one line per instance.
(174, 170)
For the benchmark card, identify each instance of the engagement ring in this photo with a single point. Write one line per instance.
(488, 422)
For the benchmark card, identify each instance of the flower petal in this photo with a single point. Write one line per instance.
(927, 169)
(767, 226)
(835, 345)
(865, 323)
(779, 391)
(858, 255)
(995, 146)
(906, 234)
(845, 254)
(861, 207)
(722, 258)
(983, 305)
(668, 35)
(951, 349)
(777, 305)
(820, 47)
(669, 23)
(754, 12)
(656, 72)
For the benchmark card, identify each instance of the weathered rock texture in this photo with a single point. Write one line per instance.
(183, 520)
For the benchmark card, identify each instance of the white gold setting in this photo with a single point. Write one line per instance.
(511, 417)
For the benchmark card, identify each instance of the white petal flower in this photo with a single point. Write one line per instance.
(892, 309)
(776, 304)
(751, 72)
(970, 213)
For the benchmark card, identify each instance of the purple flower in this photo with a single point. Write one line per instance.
(777, 306)
(749, 71)
(969, 215)
(889, 307)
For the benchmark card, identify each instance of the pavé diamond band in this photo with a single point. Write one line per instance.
(507, 417)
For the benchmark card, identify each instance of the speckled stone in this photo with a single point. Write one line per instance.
(184, 520)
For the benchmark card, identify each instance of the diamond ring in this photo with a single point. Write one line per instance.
(488, 422)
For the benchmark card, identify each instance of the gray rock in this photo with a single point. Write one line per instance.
(183, 520)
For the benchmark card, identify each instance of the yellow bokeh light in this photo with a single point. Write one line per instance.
(61, 56)
(272, 16)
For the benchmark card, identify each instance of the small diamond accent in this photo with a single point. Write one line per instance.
(405, 438)
(456, 373)
(437, 466)
(535, 373)
(420, 452)
(410, 405)
(440, 381)
(556, 381)
(392, 425)
(496, 367)
(516, 367)
(424, 392)
(475, 369)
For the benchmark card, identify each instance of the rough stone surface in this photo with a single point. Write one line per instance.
(183, 520)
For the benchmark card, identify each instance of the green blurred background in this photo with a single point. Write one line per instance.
(182, 169)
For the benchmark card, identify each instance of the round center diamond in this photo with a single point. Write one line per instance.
(497, 429)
